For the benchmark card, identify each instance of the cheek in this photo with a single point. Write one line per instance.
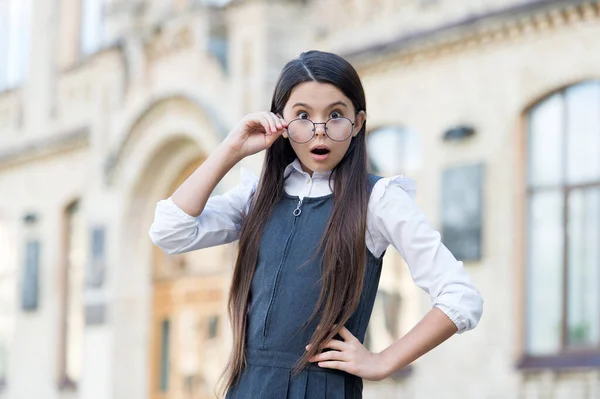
(343, 148)
(298, 148)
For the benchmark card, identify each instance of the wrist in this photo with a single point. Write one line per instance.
(230, 153)
(388, 363)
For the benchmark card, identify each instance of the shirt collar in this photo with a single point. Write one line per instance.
(296, 167)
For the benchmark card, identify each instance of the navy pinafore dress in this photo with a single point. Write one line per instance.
(285, 290)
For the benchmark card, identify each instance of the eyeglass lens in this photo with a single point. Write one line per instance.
(303, 130)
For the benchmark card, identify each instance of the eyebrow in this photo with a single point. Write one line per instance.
(341, 103)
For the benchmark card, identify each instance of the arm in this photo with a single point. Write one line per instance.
(395, 219)
(189, 220)
(175, 231)
(351, 356)
(254, 133)
(398, 221)
(193, 193)
(431, 331)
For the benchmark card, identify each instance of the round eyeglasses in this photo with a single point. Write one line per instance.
(303, 130)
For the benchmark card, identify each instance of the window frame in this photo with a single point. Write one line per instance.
(565, 357)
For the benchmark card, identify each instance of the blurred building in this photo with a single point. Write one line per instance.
(107, 105)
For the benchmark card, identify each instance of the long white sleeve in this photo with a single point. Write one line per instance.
(394, 218)
(174, 231)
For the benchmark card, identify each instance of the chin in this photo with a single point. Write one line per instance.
(320, 168)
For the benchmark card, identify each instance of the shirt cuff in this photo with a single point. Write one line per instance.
(461, 322)
(170, 206)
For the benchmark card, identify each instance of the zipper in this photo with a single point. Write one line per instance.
(298, 209)
(296, 213)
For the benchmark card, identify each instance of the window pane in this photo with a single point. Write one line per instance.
(91, 25)
(4, 12)
(15, 23)
(545, 272)
(30, 294)
(394, 150)
(584, 268)
(583, 132)
(213, 327)
(165, 332)
(546, 123)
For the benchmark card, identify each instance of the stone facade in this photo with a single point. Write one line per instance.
(115, 129)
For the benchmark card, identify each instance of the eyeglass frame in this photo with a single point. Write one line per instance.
(314, 130)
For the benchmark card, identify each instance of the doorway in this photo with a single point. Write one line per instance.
(187, 342)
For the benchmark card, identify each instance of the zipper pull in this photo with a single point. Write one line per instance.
(298, 211)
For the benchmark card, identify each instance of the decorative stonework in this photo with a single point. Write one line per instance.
(152, 114)
(54, 145)
(163, 43)
(475, 33)
(77, 91)
(10, 110)
(561, 385)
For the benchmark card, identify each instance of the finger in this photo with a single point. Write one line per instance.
(333, 365)
(271, 138)
(346, 334)
(271, 120)
(265, 124)
(335, 344)
(275, 121)
(280, 121)
(329, 355)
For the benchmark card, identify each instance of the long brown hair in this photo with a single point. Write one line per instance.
(343, 242)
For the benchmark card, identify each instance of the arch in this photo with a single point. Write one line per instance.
(166, 138)
(184, 113)
(548, 88)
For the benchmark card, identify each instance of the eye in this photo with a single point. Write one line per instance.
(302, 115)
(335, 115)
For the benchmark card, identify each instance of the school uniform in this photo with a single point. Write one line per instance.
(286, 284)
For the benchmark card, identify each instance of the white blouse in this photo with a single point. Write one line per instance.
(393, 218)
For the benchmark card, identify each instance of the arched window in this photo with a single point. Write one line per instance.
(563, 222)
(394, 150)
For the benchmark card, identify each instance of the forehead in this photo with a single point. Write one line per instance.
(317, 95)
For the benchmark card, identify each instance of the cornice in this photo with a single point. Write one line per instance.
(477, 32)
(44, 148)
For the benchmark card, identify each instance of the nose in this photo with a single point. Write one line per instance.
(320, 129)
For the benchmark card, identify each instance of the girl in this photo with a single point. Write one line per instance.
(312, 233)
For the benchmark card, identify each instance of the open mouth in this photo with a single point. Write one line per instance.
(320, 151)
